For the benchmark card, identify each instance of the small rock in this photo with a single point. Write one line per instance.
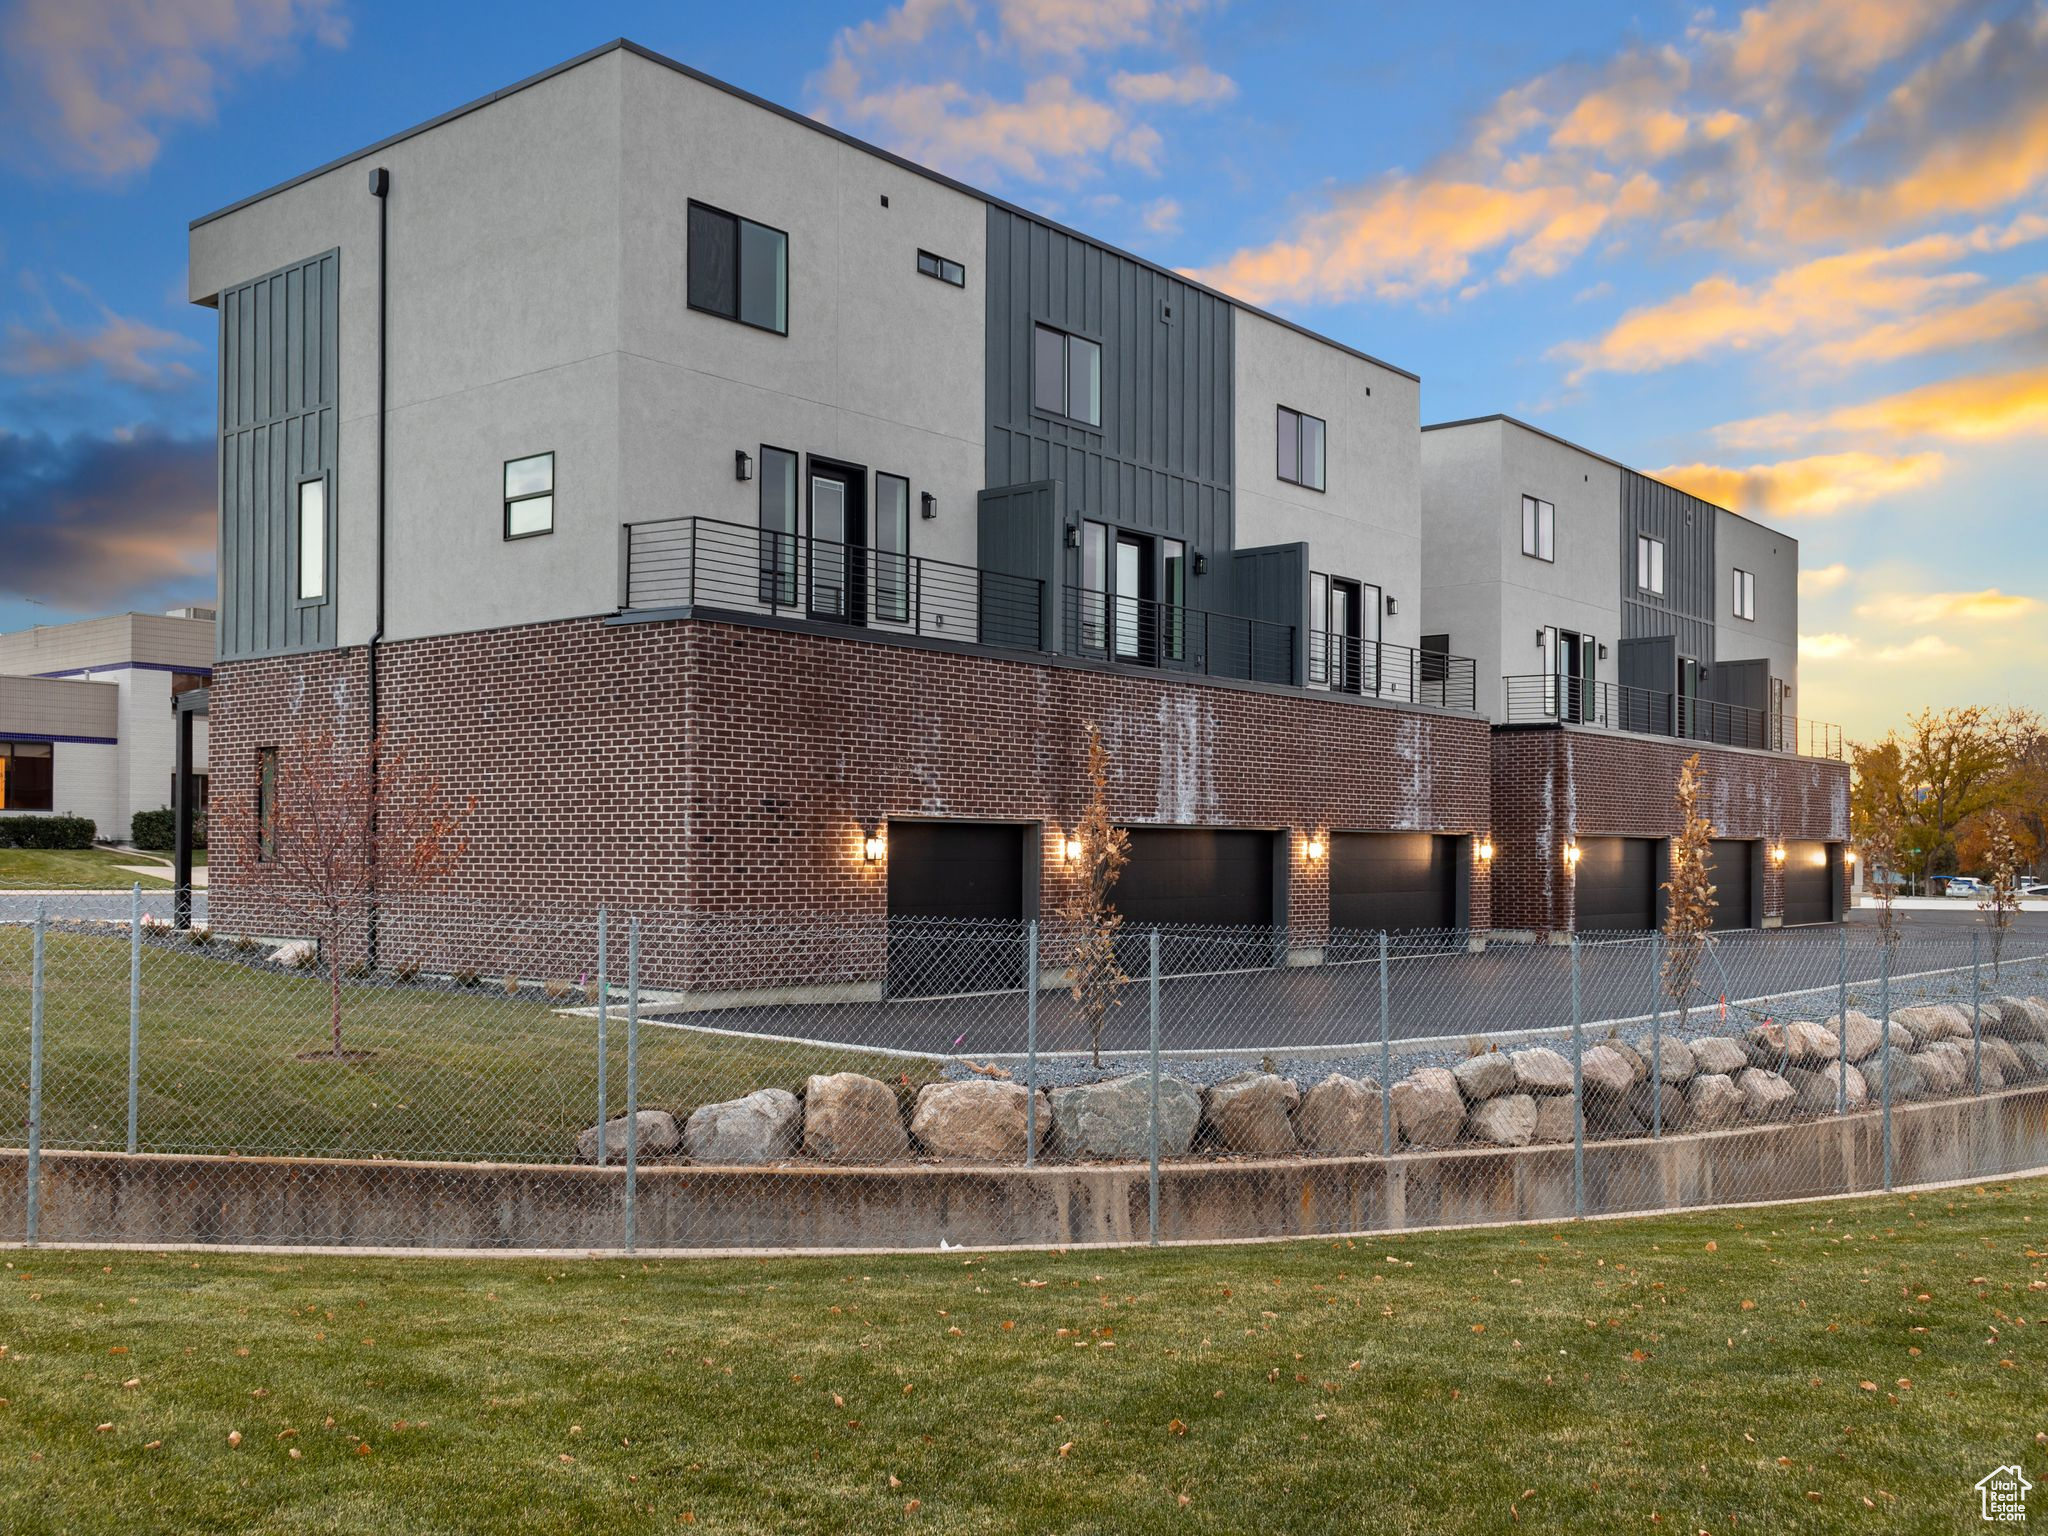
(760, 1128)
(1541, 1070)
(1509, 1121)
(1428, 1108)
(658, 1137)
(1712, 1100)
(1718, 1056)
(1606, 1071)
(1113, 1119)
(1253, 1112)
(1765, 1095)
(1340, 1114)
(1486, 1076)
(980, 1121)
(1556, 1118)
(849, 1118)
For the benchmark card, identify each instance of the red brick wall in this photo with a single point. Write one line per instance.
(1551, 783)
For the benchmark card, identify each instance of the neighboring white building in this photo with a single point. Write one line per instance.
(86, 726)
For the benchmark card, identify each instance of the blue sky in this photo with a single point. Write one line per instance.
(1791, 256)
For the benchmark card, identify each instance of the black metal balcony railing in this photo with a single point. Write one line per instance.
(1540, 697)
(1379, 670)
(1142, 632)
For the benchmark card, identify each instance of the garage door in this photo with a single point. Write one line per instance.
(1617, 884)
(1731, 865)
(1808, 867)
(1205, 879)
(956, 899)
(1396, 882)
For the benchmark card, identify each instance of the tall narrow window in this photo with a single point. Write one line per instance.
(1538, 528)
(1094, 593)
(1173, 596)
(1066, 375)
(1318, 627)
(1650, 564)
(312, 541)
(778, 528)
(1745, 594)
(266, 804)
(738, 269)
(1299, 454)
(892, 547)
(529, 496)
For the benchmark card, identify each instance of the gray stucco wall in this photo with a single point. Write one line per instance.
(1773, 636)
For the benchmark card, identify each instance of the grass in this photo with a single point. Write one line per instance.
(1851, 1366)
(74, 869)
(472, 1075)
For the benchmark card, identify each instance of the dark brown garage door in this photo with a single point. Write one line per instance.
(1731, 865)
(1809, 868)
(1213, 888)
(956, 904)
(1617, 884)
(1396, 882)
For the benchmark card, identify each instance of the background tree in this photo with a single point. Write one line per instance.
(348, 829)
(1945, 768)
(1095, 976)
(2004, 899)
(1689, 905)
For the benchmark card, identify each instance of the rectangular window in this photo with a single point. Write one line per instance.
(1067, 375)
(1318, 627)
(1745, 594)
(1173, 594)
(27, 781)
(1539, 520)
(312, 541)
(778, 528)
(266, 804)
(738, 269)
(1650, 564)
(945, 271)
(1299, 453)
(1094, 594)
(892, 547)
(529, 496)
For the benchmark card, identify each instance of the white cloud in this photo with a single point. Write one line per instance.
(1823, 579)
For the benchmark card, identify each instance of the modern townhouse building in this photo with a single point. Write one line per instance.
(86, 719)
(1617, 625)
(755, 522)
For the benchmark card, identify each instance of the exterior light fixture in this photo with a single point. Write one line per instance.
(928, 506)
(1314, 850)
(873, 846)
(1073, 536)
(1201, 563)
(1393, 607)
(1485, 850)
(1571, 857)
(1603, 650)
(1777, 853)
(1071, 850)
(742, 464)
(1820, 858)
(1849, 857)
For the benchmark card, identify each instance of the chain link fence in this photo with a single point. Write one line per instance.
(451, 1076)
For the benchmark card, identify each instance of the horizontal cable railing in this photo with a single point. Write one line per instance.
(1379, 670)
(1539, 697)
(1143, 632)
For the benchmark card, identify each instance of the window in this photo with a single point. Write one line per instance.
(739, 269)
(26, 780)
(1094, 585)
(266, 804)
(1539, 519)
(1745, 594)
(530, 496)
(778, 527)
(1344, 632)
(1300, 452)
(1173, 593)
(1067, 377)
(945, 271)
(312, 541)
(1650, 564)
(892, 547)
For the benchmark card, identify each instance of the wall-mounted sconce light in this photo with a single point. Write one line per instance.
(1603, 651)
(1201, 563)
(1393, 607)
(1539, 639)
(1071, 850)
(1485, 850)
(1849, 857)
(873, 846)
(742, 464)
(928, 506)
(1314, 848)
(1571, 858)
(1073, 536)
(1777, 853)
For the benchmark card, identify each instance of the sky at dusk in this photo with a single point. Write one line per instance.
(1790, 257)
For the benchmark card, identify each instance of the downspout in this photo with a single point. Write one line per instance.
(380, 189)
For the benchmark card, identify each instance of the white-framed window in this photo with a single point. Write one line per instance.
(1745, 595)
(1539, 525)
(1650, 564)
(1067, 375)
(1300, 449)
(530, 496)
(313, 541)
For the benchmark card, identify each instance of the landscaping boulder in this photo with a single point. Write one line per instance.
(1718, 1056)
(294, 956)
(1541, 1070)
(1643, 1105)
(2019, 1018)
(1674, 1063)
(849, 1118)
(1943, 1071)
(1765, 1095)
(1814, 1093)
(760, 1128)
(2012, 1067)
(1253, 1112)
(1606, 1072)
(1113, 1119)
(1340, 1114)
(979, 1121)
(657, 1136)
(1907, 1080)
(1428, 1108)
(1556, 1118)
(1486, 1076)
(1639, 1062)
(1937, 1021)
(1509, 1121)
(1861, 1035)
(1795, 1042)
(2034, 1057)
(1712, 1101)
(1612, 1115)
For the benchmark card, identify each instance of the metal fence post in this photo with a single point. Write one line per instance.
(604, 993)
(1842, 1021)
(1656, 1033)
(1386, 1060)
(1031, 1043)
(134, 1006)
(35, 1083)
(1578, 1093)
(632, 1077)
(1884, 1009)
(1152, 1200)
(1977, 1007)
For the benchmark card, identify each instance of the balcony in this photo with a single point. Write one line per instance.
(1377, 670)
(1542, 698)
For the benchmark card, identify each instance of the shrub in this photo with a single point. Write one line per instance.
(244, 944)
(156, 831)
(47, 831)
(199, 934)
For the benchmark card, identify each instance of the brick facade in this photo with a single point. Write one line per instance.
(1555, 783)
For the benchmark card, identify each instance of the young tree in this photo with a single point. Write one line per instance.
(1881, 867)
(2004, 898)
(1096, 978)
(346, 829)
(1689, 905)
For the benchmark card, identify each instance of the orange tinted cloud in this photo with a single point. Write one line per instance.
(1809, 487)
(1982, 407)
(1842, 39)
(1987, 606)
(1822, 578)
(2010, 314)
(1054, 128)
(1826, 647)
(128, 351)
(1191, 85)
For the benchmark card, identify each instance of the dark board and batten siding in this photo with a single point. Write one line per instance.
(1161, 461)
(279, 417)
(1686, 525)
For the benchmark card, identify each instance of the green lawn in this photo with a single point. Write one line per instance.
(74, 869)
(1851, 1366)
(473, 1074)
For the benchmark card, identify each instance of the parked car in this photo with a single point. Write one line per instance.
(1965, 885)
(2040, 891)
